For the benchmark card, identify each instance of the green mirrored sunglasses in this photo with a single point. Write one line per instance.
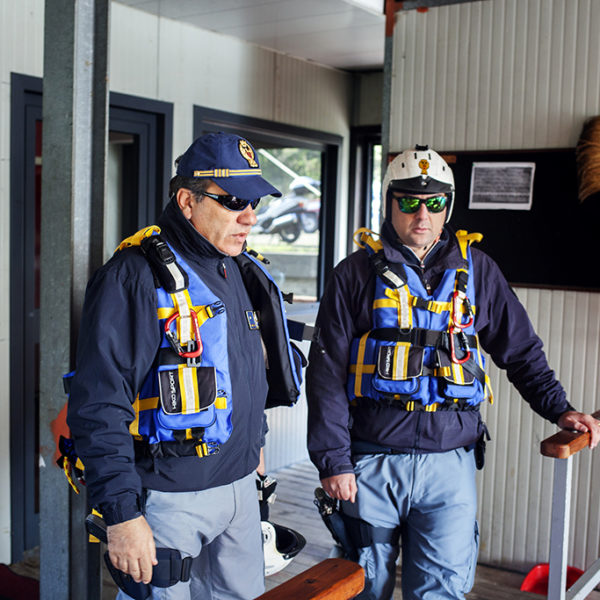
(410, 204)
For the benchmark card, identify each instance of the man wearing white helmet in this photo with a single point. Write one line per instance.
(396, 377)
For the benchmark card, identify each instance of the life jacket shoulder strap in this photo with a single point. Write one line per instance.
(363, 238)
(138, 236)
(168, 274)
(465, 239)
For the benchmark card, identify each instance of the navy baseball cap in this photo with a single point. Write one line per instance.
(229, 161)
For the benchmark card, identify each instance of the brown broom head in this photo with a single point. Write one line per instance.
(588, 159)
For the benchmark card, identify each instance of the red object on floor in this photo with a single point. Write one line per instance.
(536, 580)
(17, 587)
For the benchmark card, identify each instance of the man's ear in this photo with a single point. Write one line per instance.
(185, 200)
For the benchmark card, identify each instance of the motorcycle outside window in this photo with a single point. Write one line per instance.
(288, 228)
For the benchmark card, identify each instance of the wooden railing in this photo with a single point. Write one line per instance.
(332, 579)
(563, 446)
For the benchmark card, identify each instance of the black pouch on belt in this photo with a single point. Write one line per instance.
(480, 448)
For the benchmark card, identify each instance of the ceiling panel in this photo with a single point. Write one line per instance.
(346, 34)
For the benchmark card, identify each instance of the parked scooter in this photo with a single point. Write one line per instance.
(280, 217)
(307, 192)
(292, 214)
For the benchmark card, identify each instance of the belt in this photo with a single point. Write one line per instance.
(360, 447)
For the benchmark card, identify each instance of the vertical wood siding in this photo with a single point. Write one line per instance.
(495, 74)
(515, 488)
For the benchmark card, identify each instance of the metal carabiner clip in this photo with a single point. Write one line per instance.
(465, 342)
(459, 298)
(194, 346)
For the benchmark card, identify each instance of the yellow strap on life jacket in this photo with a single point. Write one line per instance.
(204, 313)
(68, 469)
(138, 236)
(360, 359)
(364, 237)
(92, 538)
(466, 239)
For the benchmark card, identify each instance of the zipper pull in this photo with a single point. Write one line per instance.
(223, 270)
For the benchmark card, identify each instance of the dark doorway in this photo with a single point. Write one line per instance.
(365, 180)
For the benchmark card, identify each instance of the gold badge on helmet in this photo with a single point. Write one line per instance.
(424, 164)
(247, 152)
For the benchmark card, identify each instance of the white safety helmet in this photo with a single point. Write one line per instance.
(419, 171)
(280, 546)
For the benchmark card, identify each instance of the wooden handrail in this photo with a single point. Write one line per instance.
(332, 579)
(566, 443)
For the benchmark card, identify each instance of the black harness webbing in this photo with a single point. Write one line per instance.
(167, 272)
(417, 336)
(384, 271)
(364, 534)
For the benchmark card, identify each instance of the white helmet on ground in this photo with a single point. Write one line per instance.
(418, 171)
(280, 545)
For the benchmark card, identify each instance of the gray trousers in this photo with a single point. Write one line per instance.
(432, 498)
(222, 527)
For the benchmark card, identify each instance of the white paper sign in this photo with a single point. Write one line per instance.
(507, 185)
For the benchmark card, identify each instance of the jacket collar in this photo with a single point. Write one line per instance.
(444, 255)
(183, 236)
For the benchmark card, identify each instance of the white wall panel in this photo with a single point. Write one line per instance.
(495, 74)
(516, 485)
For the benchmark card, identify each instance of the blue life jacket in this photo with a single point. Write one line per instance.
(184, 406)
(423, 352)
(186, 395)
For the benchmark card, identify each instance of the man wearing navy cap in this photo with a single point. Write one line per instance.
(167, 413)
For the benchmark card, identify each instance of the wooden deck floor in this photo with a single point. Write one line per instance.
(294, 508)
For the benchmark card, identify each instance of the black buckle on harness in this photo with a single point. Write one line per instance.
(164, 265)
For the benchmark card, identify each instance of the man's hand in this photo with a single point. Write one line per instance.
(131, 548)
(581, 422)
(340, 487)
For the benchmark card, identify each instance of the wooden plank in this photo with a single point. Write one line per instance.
(332, 579)
(566, 443)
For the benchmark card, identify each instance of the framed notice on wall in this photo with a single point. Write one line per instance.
(501, 185)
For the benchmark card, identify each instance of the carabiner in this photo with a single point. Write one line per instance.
(194, 346)
(456, 312)
(467, 350)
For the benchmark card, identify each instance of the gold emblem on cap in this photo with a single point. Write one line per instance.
(247, 152)
(424, 164)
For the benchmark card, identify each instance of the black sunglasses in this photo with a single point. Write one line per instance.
(410, 205)
(232, 202)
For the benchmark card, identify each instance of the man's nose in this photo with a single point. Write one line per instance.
(248, 216)
(422, 212)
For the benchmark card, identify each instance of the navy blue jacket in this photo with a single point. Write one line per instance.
(504, 330)
(118, 343)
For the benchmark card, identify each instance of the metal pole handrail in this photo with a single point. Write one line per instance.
(562, 446)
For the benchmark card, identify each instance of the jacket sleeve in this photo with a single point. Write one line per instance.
(506, 333)
(118, 341)
(337, 323)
